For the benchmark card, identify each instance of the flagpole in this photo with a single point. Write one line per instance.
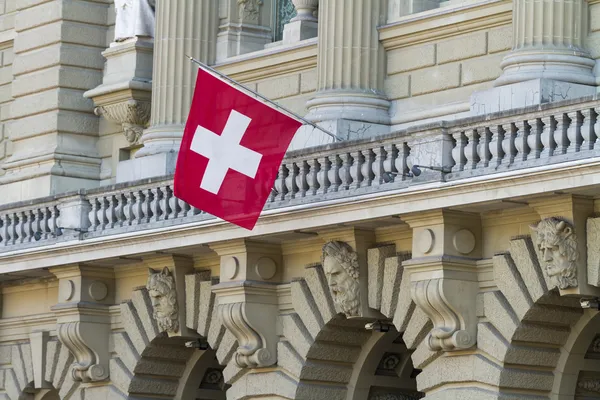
(233, 81)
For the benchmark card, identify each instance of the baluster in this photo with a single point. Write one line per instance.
(184, 208)
(37, 226)
(521, 146)
(104, 213)
(128, 202)
(587, 135)
(323, 175)
(22, 227)
(547, 137)
(146, 205)
(458, 152)
(176, 206)
(53, 216)
(29, 226)
(533, 139)
(6, 229)
(280, 186)
(401, 160)
(560, 134)
(377, 168)
(366, 169)
(574, 132)
(301, 179)
(111, 211)
(290, 181)
(345, 171)
(356, 169)
(44, 224)
(389, 164)
(2, 238)
(155, 204)
(496, 152)
(509, 143)
(14, 228)
(333, 174)
(312, 177)
(165, 204)
(471, 155)
(92, 215)
(138, 199)
(483, 148)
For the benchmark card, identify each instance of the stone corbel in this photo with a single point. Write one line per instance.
(448, 298)
(83, 318)
(443, 275)
(252, 322)
(247, 299)
(133, 115)
(88, 342)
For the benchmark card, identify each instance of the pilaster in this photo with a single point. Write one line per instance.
(247, 298)
(575, 211)
(182, 28)
(83, 318)
(443, 275)
(350, 99)
(53, 129)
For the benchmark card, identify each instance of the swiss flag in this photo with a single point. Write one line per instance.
(231, 150)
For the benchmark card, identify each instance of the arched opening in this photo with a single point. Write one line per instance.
(202, 378)
(384, 370)
(30, 393)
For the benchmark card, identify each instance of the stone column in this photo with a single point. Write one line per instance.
(350, 99)
(548, 43)
(548, 61)
(182, 28)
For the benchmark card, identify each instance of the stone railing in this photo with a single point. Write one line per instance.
(442, 151)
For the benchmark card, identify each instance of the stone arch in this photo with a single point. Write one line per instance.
(151, 363)
(526, 324)
(18, 374)
(320, 347)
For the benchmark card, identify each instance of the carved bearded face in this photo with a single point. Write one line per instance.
(340, 265)
(161, 288)
(558, 251)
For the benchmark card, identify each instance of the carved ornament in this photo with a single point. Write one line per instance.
(87, 346)
(449, 331)
(133, 115)
(340, 263)
(557, 246)
(590, 385)
(163, 293)
(253, 350)
(249, 10)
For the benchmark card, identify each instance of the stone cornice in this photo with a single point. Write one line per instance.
(444, 23)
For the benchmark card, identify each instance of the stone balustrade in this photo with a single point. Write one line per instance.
(446, 151)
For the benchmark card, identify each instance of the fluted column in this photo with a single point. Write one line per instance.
(351, 62)
(183, 28)
(548, 42)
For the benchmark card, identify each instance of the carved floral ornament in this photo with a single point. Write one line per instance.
(133, 115)
(249, 10)
(557, 244)
(340, 263)
(161, 287)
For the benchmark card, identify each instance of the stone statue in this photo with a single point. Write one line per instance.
(161, 287)
(558, 250)
(135, 18)
(340, 263)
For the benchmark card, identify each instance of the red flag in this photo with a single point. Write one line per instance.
(231, 150)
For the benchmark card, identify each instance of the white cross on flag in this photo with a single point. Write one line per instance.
(230, 153)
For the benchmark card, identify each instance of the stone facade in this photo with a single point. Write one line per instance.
(448, 248)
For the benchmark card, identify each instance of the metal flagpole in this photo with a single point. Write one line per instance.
(233, 81)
